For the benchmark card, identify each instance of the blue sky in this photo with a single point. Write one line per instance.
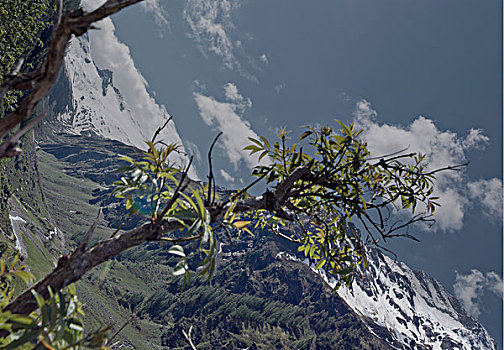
(420, 74)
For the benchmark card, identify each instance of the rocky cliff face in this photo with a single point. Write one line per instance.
(416, 309)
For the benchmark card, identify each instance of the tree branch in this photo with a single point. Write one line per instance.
(160, 129)
(43, 79)
(211, 178)
(71, 268)
(9, 146)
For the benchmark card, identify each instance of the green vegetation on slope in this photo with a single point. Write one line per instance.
(25, 26)
(254, 300)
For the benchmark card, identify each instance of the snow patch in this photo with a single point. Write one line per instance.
(110, 99)
(415, 308)
(56, 232)
(17, 235)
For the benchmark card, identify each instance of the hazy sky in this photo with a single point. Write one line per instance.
(420, 74)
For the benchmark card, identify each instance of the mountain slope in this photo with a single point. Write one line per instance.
(110, 99)
(261, 293)
(415, 308)
(280, 304)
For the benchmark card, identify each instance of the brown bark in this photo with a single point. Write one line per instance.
(71, 268)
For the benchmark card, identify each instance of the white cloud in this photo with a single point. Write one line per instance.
(450, 215)
(442, 148)
(489, 195)
(209, 20)
(470, 288)
(279, 87)
(160, 15)
(231, 91)
(226, 176)
(476, 139)
(363, 110)
(210, 23)
(264, 58)
(232, 95)
(225, 116)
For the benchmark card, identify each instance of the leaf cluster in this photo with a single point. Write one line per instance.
(56, 324)
(21, 25)
(342, 186)
(155, 187)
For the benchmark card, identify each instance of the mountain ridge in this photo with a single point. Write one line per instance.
(400, 324)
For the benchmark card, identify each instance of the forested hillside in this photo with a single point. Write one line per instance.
(254, 298)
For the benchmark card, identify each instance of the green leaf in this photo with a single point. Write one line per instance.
(240, 224)
(263, 154)
(265, 142)
(320, 264)
(21, 321)
(40, 300)
(248, 231)
(185, 214)
(177, 250)
(14, 262)
(75, 325)
(252, 148)
(345, 129)
(256, 142)
(305, 135)
(180, 268)
(25, 276)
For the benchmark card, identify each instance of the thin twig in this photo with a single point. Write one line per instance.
(8, 147)
(188, 338)
(245, 189)
(11, 77)
(160, 129)
(59, 13)
(180, 188)
(117, 230)
(389, 155)
(228, 234)
(122, 327)
(133, 315)
(85, 240)
(211, 178)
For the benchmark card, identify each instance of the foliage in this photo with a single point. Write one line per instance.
(156, 187)
(55, 325)
(316, 198)
(344, 186)
(21, 26)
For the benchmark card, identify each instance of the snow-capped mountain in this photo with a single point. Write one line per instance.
(409, 309)
(414, 308)
(97, 96)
